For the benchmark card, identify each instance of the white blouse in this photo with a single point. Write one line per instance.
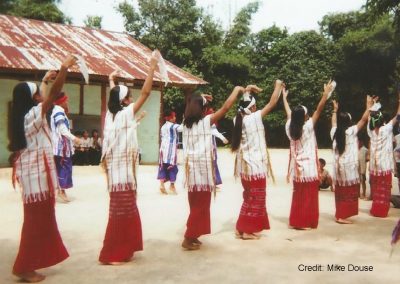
(120, 149)
(251, 157)
(381, 152)
(303, 160)
(346, 165)
(35, 169)
(169, 142)
(197, 152)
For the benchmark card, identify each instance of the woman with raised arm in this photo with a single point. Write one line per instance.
(248, 141)
(345, 148)
(34, 169)
(303, 163)
(381, 159)
(199, 166)
(120, 158)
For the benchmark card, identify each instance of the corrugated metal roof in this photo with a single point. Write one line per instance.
(35, 45)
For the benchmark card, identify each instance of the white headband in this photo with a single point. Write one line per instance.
(32, 88)
(247, 97)
(305, 109)
(123, 91)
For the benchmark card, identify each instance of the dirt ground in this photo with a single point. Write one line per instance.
(278, 257)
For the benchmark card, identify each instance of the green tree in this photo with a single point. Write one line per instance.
(369, 65)
(93, 22)
(44, 10)
(382, 7)
(304, 61)
(336, 25)
(239, 33)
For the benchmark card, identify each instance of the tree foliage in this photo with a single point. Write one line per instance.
(44, 10)
(93, 22)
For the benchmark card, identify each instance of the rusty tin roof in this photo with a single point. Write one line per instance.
(31, 45)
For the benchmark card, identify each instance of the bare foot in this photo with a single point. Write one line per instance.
(173, 189)
(197, 242)
(238, 234)
(188, 244)
(246, 236)
(63, 196)
(343, 221)
(30, 277)
(163, 191)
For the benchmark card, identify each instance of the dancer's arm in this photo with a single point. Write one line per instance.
(327, 89)
(111, 78)
(51, 74)
(148, 83)
(395, 119)
(364, 118)
(285, 94)
(274, 98)
(334, 113)
(227, 105)
(58, 84)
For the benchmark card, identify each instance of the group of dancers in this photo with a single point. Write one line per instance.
(35, 167)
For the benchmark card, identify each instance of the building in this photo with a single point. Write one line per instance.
(28, 48)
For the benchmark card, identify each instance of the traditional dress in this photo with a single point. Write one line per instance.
(200, 176)
(63, 148)
(216, 134)
(41, 245)
(380, 169)
(167, 163)
(251, 165)
(303, 169)
(346, 176)
(120, 159)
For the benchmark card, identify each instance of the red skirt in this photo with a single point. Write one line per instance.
(381, 187)
(198, 222)
(124, 230)
(304, 211)
(346, 200)
(253, 215)
(41, 244)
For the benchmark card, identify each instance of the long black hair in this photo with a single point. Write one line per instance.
(343, 122)
(297, 122)
(194, 110)
(376, 120)
(237, 128)
(21, 104)
(114, 105)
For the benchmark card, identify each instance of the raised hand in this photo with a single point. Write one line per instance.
(335, 105)
(285, 93)
(328, 87)
(69, 61)
(208, 97)
(50, 75)
(253, 89)
(154, 58)
(113, 75)
(369, 101)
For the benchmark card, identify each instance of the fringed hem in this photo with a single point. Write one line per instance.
(36, 197)
(381, 173)
(305, 179)
(348, 182)
(253, 177)
(122, 187)
(201, 187)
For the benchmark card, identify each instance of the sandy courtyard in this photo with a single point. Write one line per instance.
(275, 258)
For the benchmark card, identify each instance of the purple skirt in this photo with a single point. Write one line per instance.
(167, 172)
(64, 171)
